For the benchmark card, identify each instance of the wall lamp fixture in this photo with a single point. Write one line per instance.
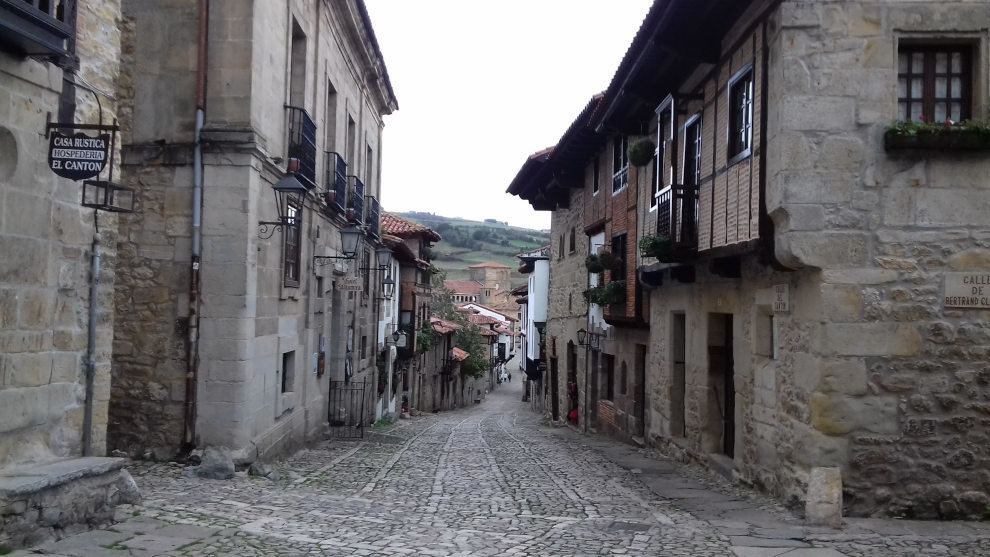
(592, 338)
(289, 196)
(350, 239)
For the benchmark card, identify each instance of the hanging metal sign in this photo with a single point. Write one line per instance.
(75, 155)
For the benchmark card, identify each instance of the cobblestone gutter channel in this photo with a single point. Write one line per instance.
(484, 480)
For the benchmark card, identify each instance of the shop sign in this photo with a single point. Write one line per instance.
(78, 156)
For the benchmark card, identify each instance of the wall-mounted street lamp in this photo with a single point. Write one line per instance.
(350, 239)
(592, 339)
(289, 195)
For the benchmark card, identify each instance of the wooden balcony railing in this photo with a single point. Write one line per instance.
(37, 27)
(355, 199)
(374, 217)
(677, 219)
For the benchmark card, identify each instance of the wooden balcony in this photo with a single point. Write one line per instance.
(36, 27)
(677, 220)
(302, 144)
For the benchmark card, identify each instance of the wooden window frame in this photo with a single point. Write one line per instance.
(596, 179)
(927, 97)
(694, 148)
(740, 92)
(620, 162)
(292, 243)
(623, 239)
(665, 141)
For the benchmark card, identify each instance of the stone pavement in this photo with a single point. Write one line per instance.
(490, 479)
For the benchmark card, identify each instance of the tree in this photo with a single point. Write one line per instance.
(468, 338)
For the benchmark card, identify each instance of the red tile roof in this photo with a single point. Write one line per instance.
(499, 311)
(443, 327)
(405, 228)
(463, 286)
(489, 265)
(479, 319)
(459, 354)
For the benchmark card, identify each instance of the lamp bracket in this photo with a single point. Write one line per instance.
(267, 228)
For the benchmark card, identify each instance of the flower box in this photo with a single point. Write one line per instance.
(967, 136)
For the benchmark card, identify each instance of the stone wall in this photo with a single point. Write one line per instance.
(886, 230)
(567, 309)
(46, 241)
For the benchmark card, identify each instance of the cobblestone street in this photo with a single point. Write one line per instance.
(491, 479)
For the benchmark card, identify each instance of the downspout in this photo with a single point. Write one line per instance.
(192, 346)
(94, 287)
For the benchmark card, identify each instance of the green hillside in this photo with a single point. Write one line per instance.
(467, 242)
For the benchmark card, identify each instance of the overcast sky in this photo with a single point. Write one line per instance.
(482, 85)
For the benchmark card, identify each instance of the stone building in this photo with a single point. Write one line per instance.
(240, 311)
(815, 276)
(411, 243)
(57, 65)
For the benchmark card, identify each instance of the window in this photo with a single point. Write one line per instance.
(619, 251)
(665, 139)
(366, 264)
(331, 120)
(692, 151)
(741, 114)
(623, 377)
(297, 67)
(369, 157)
(609, 377)
(288, 371)
(291, 243)
(319, 287)
(595, 185)
(620, 162)
(560, 248)
(934, 82)
(572, 245)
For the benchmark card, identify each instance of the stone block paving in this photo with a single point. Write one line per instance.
(490, 479)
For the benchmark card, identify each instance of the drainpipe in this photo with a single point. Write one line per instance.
(94, 306)
(192, 346)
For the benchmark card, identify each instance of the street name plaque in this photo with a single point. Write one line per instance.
(967, 290)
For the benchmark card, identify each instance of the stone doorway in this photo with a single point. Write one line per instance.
(720, 432)
(678, 352)
(554, 390)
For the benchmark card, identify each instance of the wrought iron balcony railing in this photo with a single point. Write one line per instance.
(374, 217)
(37, 27)
(335, 181)
(302, 144)
(677, 219)
(355, 199)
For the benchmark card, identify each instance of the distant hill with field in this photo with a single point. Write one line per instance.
(468, 242)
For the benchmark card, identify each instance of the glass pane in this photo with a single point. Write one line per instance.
(901, 87)
(916, 111)
(917, 62)
(916, 88)
(941, 62)
(902, 111)
(956, 62)
(940, 83)
(956, 112)
(902, 62)
(940, 114)
(956, 91)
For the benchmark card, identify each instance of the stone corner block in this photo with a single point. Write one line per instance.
(824, 501)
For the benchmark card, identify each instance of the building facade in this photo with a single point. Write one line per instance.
(810, 270)
(240, 311)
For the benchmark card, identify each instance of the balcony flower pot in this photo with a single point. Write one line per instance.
(610, 261)
(608, 295)
(950, 136)
(350, 214)
(330, 197)
(656, 246)
(594, 264)
(641, 152)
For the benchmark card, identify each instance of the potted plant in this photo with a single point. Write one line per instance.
(655, 246)
(641, 152)
(948, 135)
(594, 263)
(607, 295)
(609, 260)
